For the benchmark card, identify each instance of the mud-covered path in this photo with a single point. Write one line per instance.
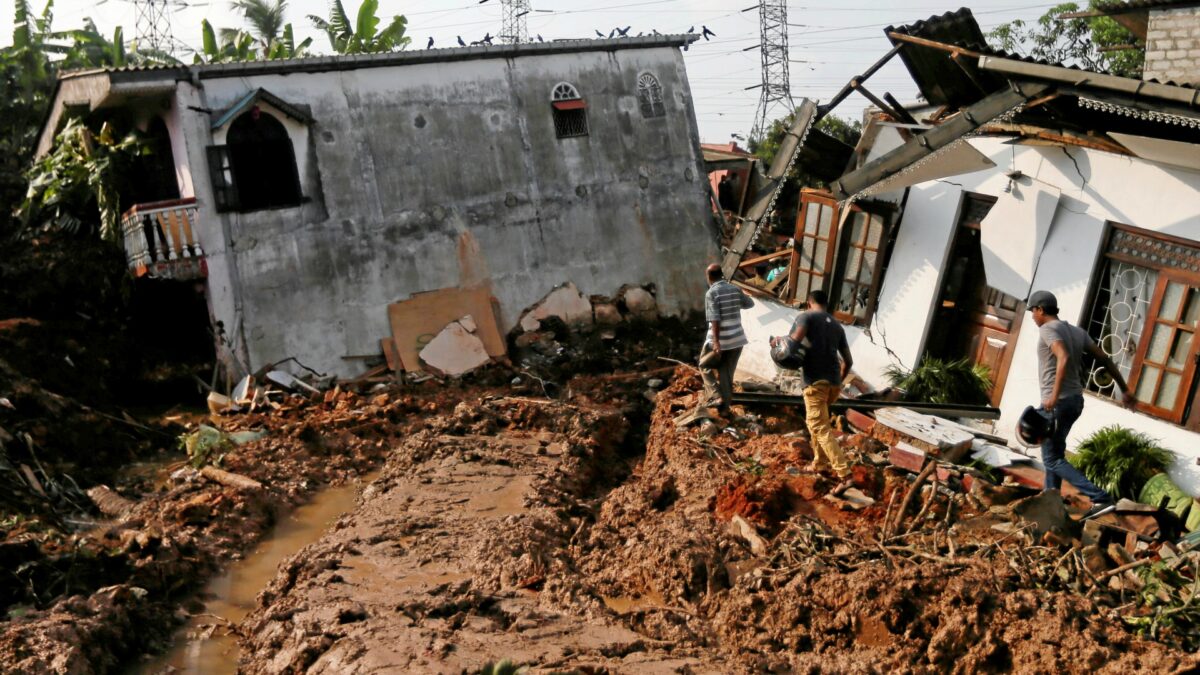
(444, 565)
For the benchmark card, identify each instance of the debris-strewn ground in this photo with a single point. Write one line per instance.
(495, 533)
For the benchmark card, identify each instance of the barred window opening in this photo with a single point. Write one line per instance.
(650, 96)
(569, 111)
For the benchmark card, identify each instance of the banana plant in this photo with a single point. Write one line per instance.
(76, 183)
(237, 46)
(364, 36)
(285, 47)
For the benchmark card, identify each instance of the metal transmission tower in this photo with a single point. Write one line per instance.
(153, 25)
(515, 29)
(776, 79)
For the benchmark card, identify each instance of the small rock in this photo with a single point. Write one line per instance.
(655, 383)
(606, 314)
(640, 302)
(650, 395)
(516, 382)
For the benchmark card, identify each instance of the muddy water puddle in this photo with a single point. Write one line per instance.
(204, 644)
(626, 604)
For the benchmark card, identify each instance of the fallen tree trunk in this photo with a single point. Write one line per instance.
(228, 479)
(109, 502)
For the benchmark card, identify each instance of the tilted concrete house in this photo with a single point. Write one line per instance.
(1011, 176)
(311, 193)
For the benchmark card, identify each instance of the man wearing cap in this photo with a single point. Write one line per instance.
(1060, 365)
(724, 339)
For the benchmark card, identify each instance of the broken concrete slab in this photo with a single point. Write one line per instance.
(564, 302)
(929, 433)
(739, 527)
(906, 456)
(418, 319)
(996, 455)
(455, 350)
(852, 499)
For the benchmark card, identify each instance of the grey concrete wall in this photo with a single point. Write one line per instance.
(435, 175)
(1173, 45)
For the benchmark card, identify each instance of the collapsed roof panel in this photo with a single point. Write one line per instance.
(946, 77)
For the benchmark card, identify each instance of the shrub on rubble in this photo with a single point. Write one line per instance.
(1121, 460)
(938, 381)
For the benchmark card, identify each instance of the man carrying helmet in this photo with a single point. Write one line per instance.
(1060, 364)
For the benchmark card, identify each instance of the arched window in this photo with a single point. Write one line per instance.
(262, 162)
(650, 96)
(154, 170)
(570, 111)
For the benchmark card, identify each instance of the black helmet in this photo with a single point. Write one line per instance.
(787, 353)
(1034, 427)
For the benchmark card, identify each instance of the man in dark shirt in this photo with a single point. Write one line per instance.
(822, 375)
(1061, 347)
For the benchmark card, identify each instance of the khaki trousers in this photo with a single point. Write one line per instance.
(827, 453)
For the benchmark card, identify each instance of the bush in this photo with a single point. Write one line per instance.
(938, 381)
(1121, 460)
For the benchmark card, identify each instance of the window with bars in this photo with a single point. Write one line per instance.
(650, 96)
(1144, 315)
(569, 110)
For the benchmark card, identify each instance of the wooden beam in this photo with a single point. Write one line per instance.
(967, 120)
(953, 49)
(764, 258)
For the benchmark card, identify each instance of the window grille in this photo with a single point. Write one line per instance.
(650, 96)
(569, 111)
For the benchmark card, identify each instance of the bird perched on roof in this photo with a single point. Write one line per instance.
(487, 39)
(655, 31)
(598, 33)
(539, 37)
(692, 29)
(707, 32)
(430, 45)
(611, 33)
(460, 41)
(624, 32)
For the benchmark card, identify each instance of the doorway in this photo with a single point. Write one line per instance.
(974, 320)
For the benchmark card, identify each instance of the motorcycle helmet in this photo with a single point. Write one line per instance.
(787, 353)
(1034, 426)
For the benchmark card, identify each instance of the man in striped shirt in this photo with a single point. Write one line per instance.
(723, 305)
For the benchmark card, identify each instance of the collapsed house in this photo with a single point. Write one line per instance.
(309, 195)
(1011, 175)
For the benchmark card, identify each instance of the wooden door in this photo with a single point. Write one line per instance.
(992, 330)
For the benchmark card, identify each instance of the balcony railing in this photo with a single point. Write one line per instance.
(161, 241)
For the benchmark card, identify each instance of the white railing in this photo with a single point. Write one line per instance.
(161, 239)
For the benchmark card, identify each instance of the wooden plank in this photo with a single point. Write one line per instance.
(390, 353)
(417, 320)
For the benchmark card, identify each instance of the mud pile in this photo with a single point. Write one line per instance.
(501, 531)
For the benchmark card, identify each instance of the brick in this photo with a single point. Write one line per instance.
(1176, 54)
(860, 421)
(1185, 43)
(1156, 55)
(905, 456)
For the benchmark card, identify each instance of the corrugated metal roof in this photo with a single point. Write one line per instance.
(407, 57)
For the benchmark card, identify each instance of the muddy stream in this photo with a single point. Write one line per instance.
(204, 644)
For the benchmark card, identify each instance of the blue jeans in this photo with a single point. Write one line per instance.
(1054, 452)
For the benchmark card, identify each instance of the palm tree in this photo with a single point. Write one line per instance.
(264, 19)
(234, 45)
(364, 37)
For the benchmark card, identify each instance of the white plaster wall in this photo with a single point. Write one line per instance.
(1097, 187)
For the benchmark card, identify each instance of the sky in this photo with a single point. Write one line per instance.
(829, 41)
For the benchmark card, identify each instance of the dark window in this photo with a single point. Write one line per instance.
(650, 96)
(154, 170)
(220, 169)
(569, 110)
(1144, 316)
(259, 164)
(862, 262)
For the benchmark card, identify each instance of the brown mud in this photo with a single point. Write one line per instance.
(437, 572)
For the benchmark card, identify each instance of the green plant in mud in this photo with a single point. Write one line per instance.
(206, 445)
(1121, 460)
(751, 466)
(1169, 599)
(939, 381)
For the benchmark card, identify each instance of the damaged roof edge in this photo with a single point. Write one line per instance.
(315, 64)
(1084, 79)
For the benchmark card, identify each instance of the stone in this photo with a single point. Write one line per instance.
(654, 383)
(454, 351)
(606, 314)
(946, 440)
(739, 527)
(529, 339)
(564, 302)
(640, 302)
(469, 323)
(1044, 513)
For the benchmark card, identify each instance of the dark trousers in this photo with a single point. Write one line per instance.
(1054, 453)
(719, 379)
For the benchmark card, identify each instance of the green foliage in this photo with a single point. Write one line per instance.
(75, 185)
(1072, 41)
(751, 466)
(504, 667)
(1120, 460)
(235, 45)
(1171, 611)
(938, 381)
(364, 36)
(847, 131)
(264, 18)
